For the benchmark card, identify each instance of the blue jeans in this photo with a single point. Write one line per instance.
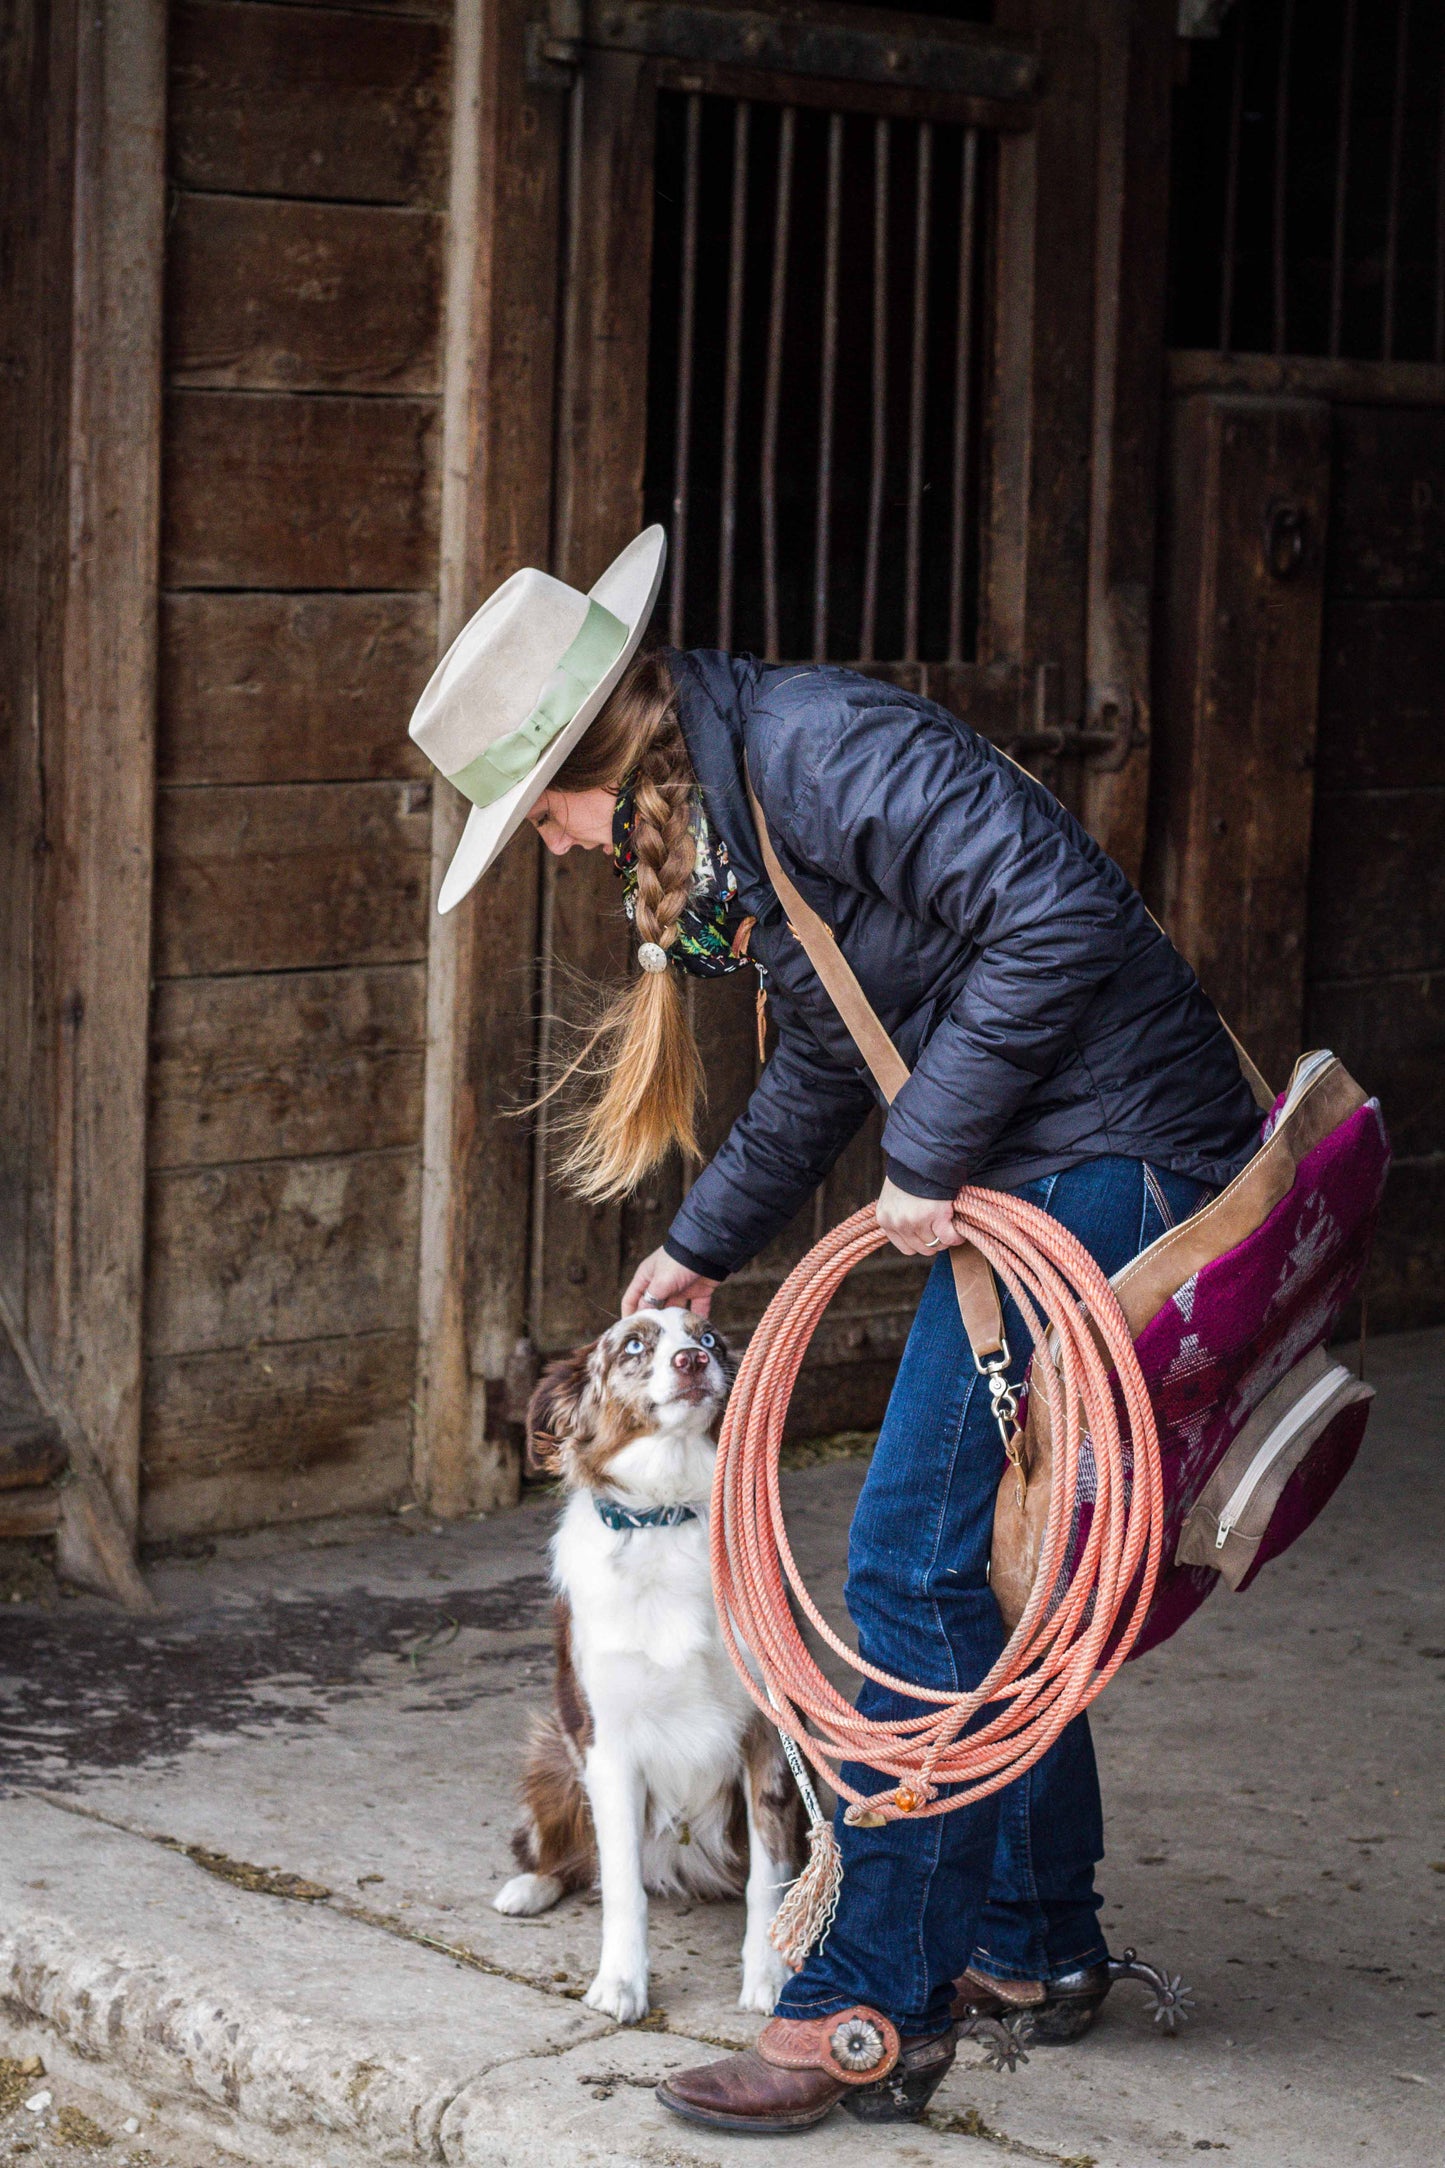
(1007, 1883)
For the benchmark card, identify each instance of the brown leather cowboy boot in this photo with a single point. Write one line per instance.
(802, 2068)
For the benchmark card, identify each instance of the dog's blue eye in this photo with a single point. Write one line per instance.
(706, 1339)
(635, 1347)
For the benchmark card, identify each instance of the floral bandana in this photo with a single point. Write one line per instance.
(709, 925)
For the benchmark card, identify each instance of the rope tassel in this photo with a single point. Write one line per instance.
(803, 1918)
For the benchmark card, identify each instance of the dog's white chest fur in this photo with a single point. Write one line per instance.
(648, 1652)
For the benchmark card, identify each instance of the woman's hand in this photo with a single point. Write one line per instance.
(918, 1226)
(662, 1283)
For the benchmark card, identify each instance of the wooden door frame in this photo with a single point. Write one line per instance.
(502, 285)
(73, 1305)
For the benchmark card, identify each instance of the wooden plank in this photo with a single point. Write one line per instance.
(1406, 1281)
(269, 296)
(292, 1249)
(29, 1514)
(1380, 696)
(719, 79)
(1390, 1034)
(38, 93)
(265, 490)
(286, 1065)
(305, 101)
(96, 1547)
(1309, 376)
(291, 688)
(439, 11)
(1037, 568)
(251, 1436)
(1230, 848)
(1377, 884)
(577, 1247)
(291, 877)
(83, 1290)
(30, 1453)
(867, 50)
(1135, 87)
(1388, 529)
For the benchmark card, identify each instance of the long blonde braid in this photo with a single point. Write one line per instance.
(641, 1059)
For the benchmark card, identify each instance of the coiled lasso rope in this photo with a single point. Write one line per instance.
(1073, 1634)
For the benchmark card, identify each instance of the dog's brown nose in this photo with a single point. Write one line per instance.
(689, 1359)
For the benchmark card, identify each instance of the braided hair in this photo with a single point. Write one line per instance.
(640, 1059)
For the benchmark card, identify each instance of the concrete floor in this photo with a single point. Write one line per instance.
(247, 1853)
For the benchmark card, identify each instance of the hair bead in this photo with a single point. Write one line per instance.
(652, 956)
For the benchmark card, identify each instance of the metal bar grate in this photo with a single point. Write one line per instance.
(732, 382)
(687, 317)
(1342, 177)
(816, 386)
(777, 319)
(962, 353)
(1308, 192)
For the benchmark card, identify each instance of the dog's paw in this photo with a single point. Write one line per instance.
(764, 1977)
(527, 1894)
(624, 1999)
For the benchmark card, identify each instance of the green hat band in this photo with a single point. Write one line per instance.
(577, 676)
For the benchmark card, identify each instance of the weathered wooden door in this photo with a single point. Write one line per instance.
(828, 311)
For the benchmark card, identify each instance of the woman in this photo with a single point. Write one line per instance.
(1059, 1048)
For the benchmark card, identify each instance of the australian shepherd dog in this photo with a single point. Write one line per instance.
(654, 1771)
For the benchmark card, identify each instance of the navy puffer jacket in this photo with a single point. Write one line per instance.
(1044, 1016)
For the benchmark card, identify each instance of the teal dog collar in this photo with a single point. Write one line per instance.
(622, 1518)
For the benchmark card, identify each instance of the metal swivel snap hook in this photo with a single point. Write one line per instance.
(1005, 1398)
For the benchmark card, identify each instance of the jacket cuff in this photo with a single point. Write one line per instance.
(709, 1267)
(917, 1185)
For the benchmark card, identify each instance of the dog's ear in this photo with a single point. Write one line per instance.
(553, 1409)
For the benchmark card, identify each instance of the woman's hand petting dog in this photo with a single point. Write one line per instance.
(917, 1225)
(661, 1283)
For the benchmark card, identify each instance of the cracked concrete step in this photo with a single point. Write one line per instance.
(292, 2034)
(287, 2022)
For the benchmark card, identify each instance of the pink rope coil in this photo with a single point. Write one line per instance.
(1072, 1636)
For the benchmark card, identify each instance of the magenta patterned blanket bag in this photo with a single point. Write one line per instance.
(1257, 1425)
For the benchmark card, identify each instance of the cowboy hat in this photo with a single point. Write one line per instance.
(519, 685)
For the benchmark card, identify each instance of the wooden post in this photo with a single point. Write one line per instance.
(85, 809)
(498, 394)
(602, 437)
(1233, 799)
(1135, 74)
(1037, 573)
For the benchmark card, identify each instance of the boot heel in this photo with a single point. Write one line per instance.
(904, 2094)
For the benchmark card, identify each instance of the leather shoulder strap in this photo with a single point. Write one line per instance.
(973, 1281)
(890, 1070)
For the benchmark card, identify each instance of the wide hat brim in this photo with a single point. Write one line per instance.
(629, 589)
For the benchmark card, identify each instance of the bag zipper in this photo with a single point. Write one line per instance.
(1283, 1435)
